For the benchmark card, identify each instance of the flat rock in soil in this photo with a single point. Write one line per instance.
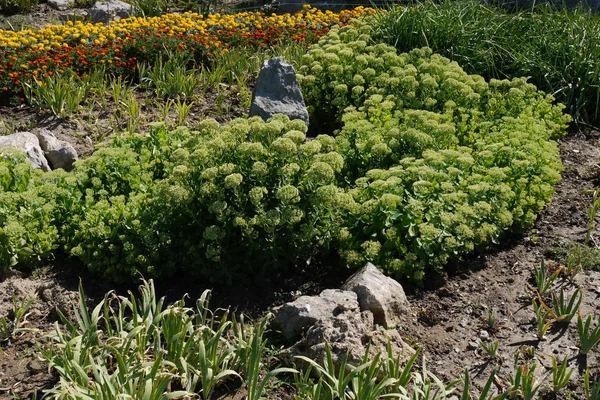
(28, 143)
(106, 11)
(296, 317)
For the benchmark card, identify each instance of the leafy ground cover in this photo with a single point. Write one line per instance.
(428, 165)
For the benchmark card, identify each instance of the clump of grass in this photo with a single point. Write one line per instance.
(561, 53)
(10, 328)
(589, 337)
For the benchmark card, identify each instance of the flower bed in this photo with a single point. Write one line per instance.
(121, 45)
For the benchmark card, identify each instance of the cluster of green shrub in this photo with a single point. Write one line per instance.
(28, 233)
(430, 164)
(558, 49)
(439, 162)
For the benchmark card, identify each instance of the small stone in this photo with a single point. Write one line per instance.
(106, 11)
(473, 345)
(29, 143)
(296, 317)
(60, 154)
(60, 5)
(484, 335)
(46, 295)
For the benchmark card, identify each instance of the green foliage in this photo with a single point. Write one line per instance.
(17, 6)
(139, 348)
(381, 376)
(171, 78)
(15, 324)
(589, 337)
(439, 162)
(150, 8)
(560, 374)
(560, 54)
(61, 94)
(429, 164)
(27, 231)
(212, 201)
(564, 308)
(543, 279)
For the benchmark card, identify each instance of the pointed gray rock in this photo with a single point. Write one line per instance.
(381, 295)
(277, 91)
(30, 144)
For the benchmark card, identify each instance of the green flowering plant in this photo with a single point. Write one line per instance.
(427, 164)
(440, 163)
(247, 195)
(256, 197)
(27, 232)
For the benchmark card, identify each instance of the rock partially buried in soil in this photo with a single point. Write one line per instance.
(60, 5)
(348, 335)
(296, 317)
(30, 144)
(377, 293)
(106, 11)
(277, 91)
(60, 154)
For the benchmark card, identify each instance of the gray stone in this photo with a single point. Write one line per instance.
(106, 11)
(60, 5)
(348, 335)
(296, 317)
(28, 143)
(60, 154)
(377, 293)
(277, 91)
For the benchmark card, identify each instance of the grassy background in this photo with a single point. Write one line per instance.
(558, 50)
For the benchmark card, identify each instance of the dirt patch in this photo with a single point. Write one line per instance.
(21, 369)
(100, 118)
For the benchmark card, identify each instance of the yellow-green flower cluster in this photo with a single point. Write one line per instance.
(442, 161)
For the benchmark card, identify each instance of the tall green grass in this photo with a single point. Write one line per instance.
(559, 50)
